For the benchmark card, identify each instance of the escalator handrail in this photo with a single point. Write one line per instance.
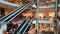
(12, 12)
(19, 27)
(11, 19)
(23, 28)
(27, 26)
(24, 25)
(11, 15)
(17, 14)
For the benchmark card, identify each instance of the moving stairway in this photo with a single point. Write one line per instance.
(13, 14)
(23, 27)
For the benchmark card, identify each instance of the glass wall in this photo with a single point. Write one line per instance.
(47, 16)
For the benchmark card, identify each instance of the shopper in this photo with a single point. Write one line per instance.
(12, 25)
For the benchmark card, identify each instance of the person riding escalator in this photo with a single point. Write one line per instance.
(11, 27)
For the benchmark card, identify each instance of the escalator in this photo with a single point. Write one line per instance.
(13, 14)
(26, 27)
(23, 27)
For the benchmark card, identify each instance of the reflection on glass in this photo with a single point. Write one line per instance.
(46, 2)
(47, 28)
(48, 16)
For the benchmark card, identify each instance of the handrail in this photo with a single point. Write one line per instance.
(12, 16)
(12, 12)
(27, 27)
(23, 28)
(20, 27)
(18, 13)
